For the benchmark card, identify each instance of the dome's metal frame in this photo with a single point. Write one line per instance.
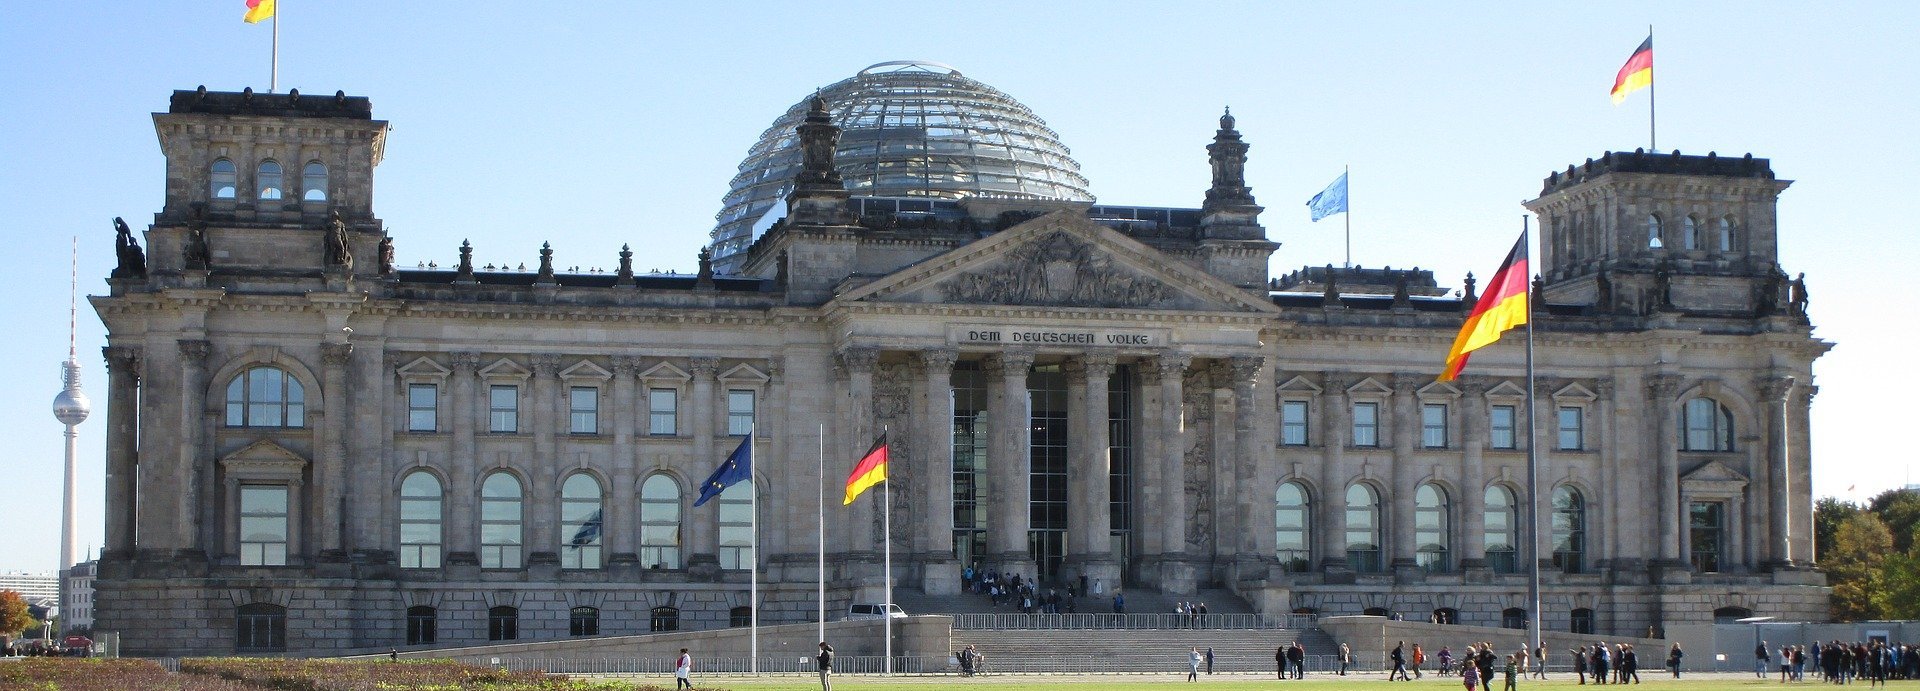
(910, 128)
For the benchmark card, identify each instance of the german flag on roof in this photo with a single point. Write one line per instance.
(1637, 74)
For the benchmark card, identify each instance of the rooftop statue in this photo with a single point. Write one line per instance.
(133, 261)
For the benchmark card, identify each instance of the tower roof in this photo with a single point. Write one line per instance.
(910, 128)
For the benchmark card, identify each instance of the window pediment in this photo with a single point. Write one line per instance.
(1369, 387)
(1713, 478)
(1300, 384)
(585, 369)
(744, 374)
(505, 368)
(1574, 393)
(264, 460)
(1439, 390)
(423, 368)
(1506, 391)
(665, 372)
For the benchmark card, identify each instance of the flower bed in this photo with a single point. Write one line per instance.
(336, 675)
(77, 674)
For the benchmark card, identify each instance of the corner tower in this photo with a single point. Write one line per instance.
(1640, 233)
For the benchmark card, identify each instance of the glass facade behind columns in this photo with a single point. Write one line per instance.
(1047, 534)
(970, 442)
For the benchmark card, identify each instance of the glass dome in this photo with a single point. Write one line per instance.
(910, 128)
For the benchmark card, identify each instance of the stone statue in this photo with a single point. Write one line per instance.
(1767, 298)
(1799, 292)
(339, 253)
(1603, 293)
(194, 253)
(1662, 297)
(133, 261)
(818, 140)
(386, 256)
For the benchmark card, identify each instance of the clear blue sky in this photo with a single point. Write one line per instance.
(607, 123)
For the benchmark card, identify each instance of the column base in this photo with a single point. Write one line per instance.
(939, 574)
(704, 568)
(1179, 574)
(1009, 563)
(1092, 574)
(1336, 571)
(1671, 572)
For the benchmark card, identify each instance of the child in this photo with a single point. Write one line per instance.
(1513, 669)
(1469, 676)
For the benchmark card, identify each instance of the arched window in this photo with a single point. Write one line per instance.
(1290, 521)
(222, 179)
(1690, 234)
(266, 396)
(1513, 618)
(660, 523)
(1432, 520)
(1581, 621)
(1725, 235)
(1569, 529)
(423, 624)
(500, 512)
(267, 179)
(420, 521)
(261, 627)
(1731, 615)
(503, 623)
(580, 524)
(1706, 426)
(1653, 231)
(663, 619)
(1500, 524)
(1363, 528)
(736, 526)
(313, 179)
(1375, 612)
(740, 616)
(1446, 615)
(583, 621)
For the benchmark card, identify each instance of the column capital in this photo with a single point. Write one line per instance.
(1010, 362)
(122, 359)
(626, 366)
(544, 365)
(1806, 394)
(1774, 387)
(464, 363)
(194, 350)
(1473, 387)
(1246, 369)
(861, 359)
(776, 368)
(939, 360)
(1409, 383)
(704, 367)
(1173, 363)
(1336, 383)
(1219, 373)
(1603, 388)
(1663, 387)
(335, 354)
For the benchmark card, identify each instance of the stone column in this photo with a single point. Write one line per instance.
(1008, 463)
(703, 527)
(1090, 470)
(193, 464)
(541, 505)
(1661, 389)
(940, 568)
(1778, 548)
(123, 435)
(1330, 508)
(1253, 495)
(462, 462)
(1149, 441)
(1615, 475)
(1474, 430)
(1176, 567)
(1402, 547)
(335, 358)
(617, 521)
(1800, 473)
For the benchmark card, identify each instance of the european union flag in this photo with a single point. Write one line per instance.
(588, 532)
(737, 467)
(1330, 201)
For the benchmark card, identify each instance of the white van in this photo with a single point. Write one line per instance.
(874, 610)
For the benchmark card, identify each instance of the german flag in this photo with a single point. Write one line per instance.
(1637, 74)
(258, 10)
(870, 471)
(1502, 308)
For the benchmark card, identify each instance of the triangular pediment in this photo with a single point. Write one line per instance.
(1574, 392)
(1714, 473)
(1060, 260)
(1300, 384)
(665, 372)
(263, 460)
(1439, 389)
(504, 368)
(1369, 387)
(1506, 389)
(585, 369)
(744, 373)
(422, 367)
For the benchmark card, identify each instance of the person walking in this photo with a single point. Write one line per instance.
(1419, 658)
(826, 666)
(1760, 659)
(1469, 676)
(1346, 659)
(1399, 658)
(1673, 660)
(1540, 660)
(1629, 665)
(1280, 662)
(1298, 656)
(1209, 660)
(1193, 665)
(1119, 603)
(683, 671)
(1520, 659)
(1512, 671)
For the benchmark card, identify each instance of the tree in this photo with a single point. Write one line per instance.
(1854, 568)
(13, 613)
(1828, 514)
(1899, 595)
(1900, 510)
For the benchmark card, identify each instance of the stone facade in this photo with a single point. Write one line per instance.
(313, 443)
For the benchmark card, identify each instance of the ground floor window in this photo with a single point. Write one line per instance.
(1513, 618)
(262, 627)
(1581, 621)
(1705, 525)
(583, 621)
(503, 624)
(663, 619)
(740, 616)
(422, 623)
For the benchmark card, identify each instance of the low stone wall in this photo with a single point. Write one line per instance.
(912, 636)
(1370, 638)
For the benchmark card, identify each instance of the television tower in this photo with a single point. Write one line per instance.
(71, 408)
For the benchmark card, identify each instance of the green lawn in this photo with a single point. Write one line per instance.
(1170, 682)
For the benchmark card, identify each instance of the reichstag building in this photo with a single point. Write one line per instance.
(312, 449)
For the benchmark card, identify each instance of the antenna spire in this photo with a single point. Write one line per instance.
(73, 300)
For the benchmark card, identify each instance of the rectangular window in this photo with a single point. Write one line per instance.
(1503, 436)
(663, 412)
(1571, 431)
(584, 404)
(739, 412)
(423, 406)
(1366, 424)
(1433, 425)
(1705, 522)
(263, 525)
(503, 409)
(1293, 423)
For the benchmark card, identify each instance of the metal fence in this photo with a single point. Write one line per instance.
(1156, 663)
(976, 622)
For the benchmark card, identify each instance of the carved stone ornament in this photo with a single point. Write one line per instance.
(1058, 269)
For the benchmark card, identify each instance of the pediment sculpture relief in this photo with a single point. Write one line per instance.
(1058, 269)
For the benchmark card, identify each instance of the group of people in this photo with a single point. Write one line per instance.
(1294, 657)
(683, 668)
(1840, 663)
(1618, 664)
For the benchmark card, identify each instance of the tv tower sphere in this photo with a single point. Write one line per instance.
(71, 406)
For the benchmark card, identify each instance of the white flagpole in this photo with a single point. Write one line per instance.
(823, 534)
(273, 77)
(753, 575)
(1533, 458)
(886, 532)
(1346, 173)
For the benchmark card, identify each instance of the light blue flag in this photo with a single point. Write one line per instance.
(1330, 201)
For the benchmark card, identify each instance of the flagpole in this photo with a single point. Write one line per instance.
(823, 533)
(1533, 461)
(886, 574)
(1346, 174)
(1653, 141)
(273, 76)
(753, 574)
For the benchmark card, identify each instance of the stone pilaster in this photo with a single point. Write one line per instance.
(939, 568)
(1778, 545)
(1253, 491)
(1330, 511)
(123, 435)
(193, 518)
(333, 512)
(542, 504)
(703, 539)
(462, 486)
(1402, 547)
(618, 523)
(1008, 464)
(1474, 431)
(1661, 389)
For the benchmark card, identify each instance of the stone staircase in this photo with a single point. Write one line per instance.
(1219, 601)
(1236, 651)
